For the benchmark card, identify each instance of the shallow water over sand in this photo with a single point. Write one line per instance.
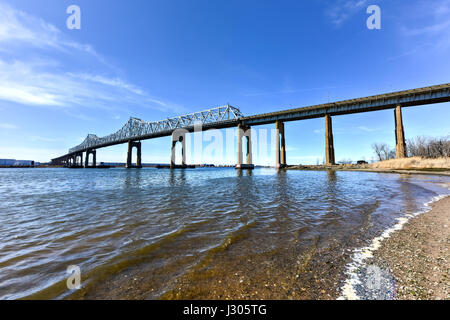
(195, 233)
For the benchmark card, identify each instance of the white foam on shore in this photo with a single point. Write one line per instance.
(348, 290)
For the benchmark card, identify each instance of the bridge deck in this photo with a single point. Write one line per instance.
(225, 117)
(407, 98)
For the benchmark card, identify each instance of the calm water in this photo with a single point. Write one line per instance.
(190, 233)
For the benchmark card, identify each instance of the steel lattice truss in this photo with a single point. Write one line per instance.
(135, 129)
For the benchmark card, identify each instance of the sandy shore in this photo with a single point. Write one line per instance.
(414, 165)
(418, 256)
(365, 168)
(403, 171)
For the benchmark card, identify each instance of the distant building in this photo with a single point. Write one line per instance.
(23, 163)
(7, 162)
(113, 164)
(16, 163)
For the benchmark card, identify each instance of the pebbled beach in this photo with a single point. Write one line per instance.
(418, 255)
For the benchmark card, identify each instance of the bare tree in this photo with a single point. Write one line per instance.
(429, 147)
(383, 151)
(377, 148)
(392, 154)
(417, 147)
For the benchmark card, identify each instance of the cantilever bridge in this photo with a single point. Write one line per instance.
(136, 130)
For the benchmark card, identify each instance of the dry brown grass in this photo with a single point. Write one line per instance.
(413, 163)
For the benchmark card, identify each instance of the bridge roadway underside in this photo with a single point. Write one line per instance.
(168, 133)
(409, 98)
(395, 101)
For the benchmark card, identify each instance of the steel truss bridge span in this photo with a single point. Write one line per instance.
(227, 116)
(137, 129)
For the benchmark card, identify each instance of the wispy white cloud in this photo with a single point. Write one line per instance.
(113, 82)
(30, 84)
(336, 131)
(8, 126)
(44, 139)
(19, 28)
(288, 91)
(367, 129)
(341, 10)
(39, 81)
(431, 27)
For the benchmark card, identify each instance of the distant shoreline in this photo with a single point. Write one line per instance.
(120, 166)
(437, 171)
(20, 167)
(415, 165)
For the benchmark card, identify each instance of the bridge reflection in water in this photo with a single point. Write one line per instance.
(136, 130)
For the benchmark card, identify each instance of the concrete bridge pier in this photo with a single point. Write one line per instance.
(280, 146)
(329, 143)
(400, 148)
(178, 136)
(244, 131)
(94, 159)
(79, 156)
(131, 145)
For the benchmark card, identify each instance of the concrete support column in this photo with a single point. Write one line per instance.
(400, 147)
(130, 155)
(172, 154)
(239, 145)
(94, 158)
(139, 155)
(183, 150)
(86, 161)
(249, 147)
(131, 145)
(283, 147)
(329, 143)
(280, 146)
(247, 132)
(81, 159)
(178, 137)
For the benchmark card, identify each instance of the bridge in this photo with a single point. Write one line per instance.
(136, 130)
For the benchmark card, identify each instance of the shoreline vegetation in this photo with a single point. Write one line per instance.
(414, 165)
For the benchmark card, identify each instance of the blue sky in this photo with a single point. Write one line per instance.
(157, 59)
